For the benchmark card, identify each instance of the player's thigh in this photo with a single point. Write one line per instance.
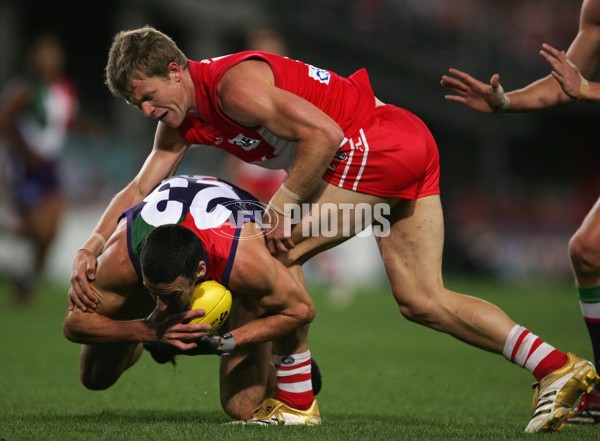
(330, 216)
(102, 364)
(412, 251)
(247, 376)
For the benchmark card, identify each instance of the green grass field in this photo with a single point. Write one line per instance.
(384, 378)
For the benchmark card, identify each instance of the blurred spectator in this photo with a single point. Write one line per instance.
(37, 110)
(266, 38)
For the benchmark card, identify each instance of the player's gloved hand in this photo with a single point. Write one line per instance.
(207, 345)
(213, 345)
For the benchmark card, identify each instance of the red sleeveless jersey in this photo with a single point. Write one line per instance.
(387, 151)
(348, 101)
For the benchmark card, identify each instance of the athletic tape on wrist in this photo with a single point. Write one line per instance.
(290, 193)
(283, 197)
(100, 237)
(505, 103)
(276, 209)
(584, 89)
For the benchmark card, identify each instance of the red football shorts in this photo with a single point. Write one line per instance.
(393, 155)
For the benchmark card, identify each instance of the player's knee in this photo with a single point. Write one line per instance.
(418, 311)
(584, 254)
(420, 308)
(95, 381)
(237, 410)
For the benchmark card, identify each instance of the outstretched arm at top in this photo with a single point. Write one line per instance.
(162, 162)
(565, 84)
(572, 82)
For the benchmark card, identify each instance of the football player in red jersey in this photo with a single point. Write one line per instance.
(187, 230)
(566, 83)
(344, 150)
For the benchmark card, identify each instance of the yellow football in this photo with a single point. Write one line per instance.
(215, 299)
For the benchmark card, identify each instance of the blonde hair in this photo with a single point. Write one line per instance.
(140, 53)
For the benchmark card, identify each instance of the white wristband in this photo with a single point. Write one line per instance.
(502, 97)
(100, 237)
(290, 193)
(505, 103)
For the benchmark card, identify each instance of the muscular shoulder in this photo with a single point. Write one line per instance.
(590, 13)
(115, 269)
(254, 269)
(245, 92)
(244, 80)
(116, 281)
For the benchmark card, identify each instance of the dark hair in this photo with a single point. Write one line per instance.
(170, 251)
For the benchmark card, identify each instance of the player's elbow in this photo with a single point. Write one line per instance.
(305, 312)
(72, 326)
(333, 135)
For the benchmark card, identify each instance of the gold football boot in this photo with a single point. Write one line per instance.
(556, 394)
(274, 412)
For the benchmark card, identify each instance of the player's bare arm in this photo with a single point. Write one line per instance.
(247, 95)
(161, 163)
(571, 69)
(265, 280)
(547, 92)
(566, 73)
(92, 327)
(126, 312)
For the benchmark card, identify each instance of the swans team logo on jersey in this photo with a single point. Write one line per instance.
(321, 75)
(245, 142)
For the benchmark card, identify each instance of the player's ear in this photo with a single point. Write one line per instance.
(174, 70)
(201, 271)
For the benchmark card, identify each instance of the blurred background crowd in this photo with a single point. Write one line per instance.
(514, 187)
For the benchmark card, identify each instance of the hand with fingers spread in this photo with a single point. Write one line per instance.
(486, 98)
(565, 72)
